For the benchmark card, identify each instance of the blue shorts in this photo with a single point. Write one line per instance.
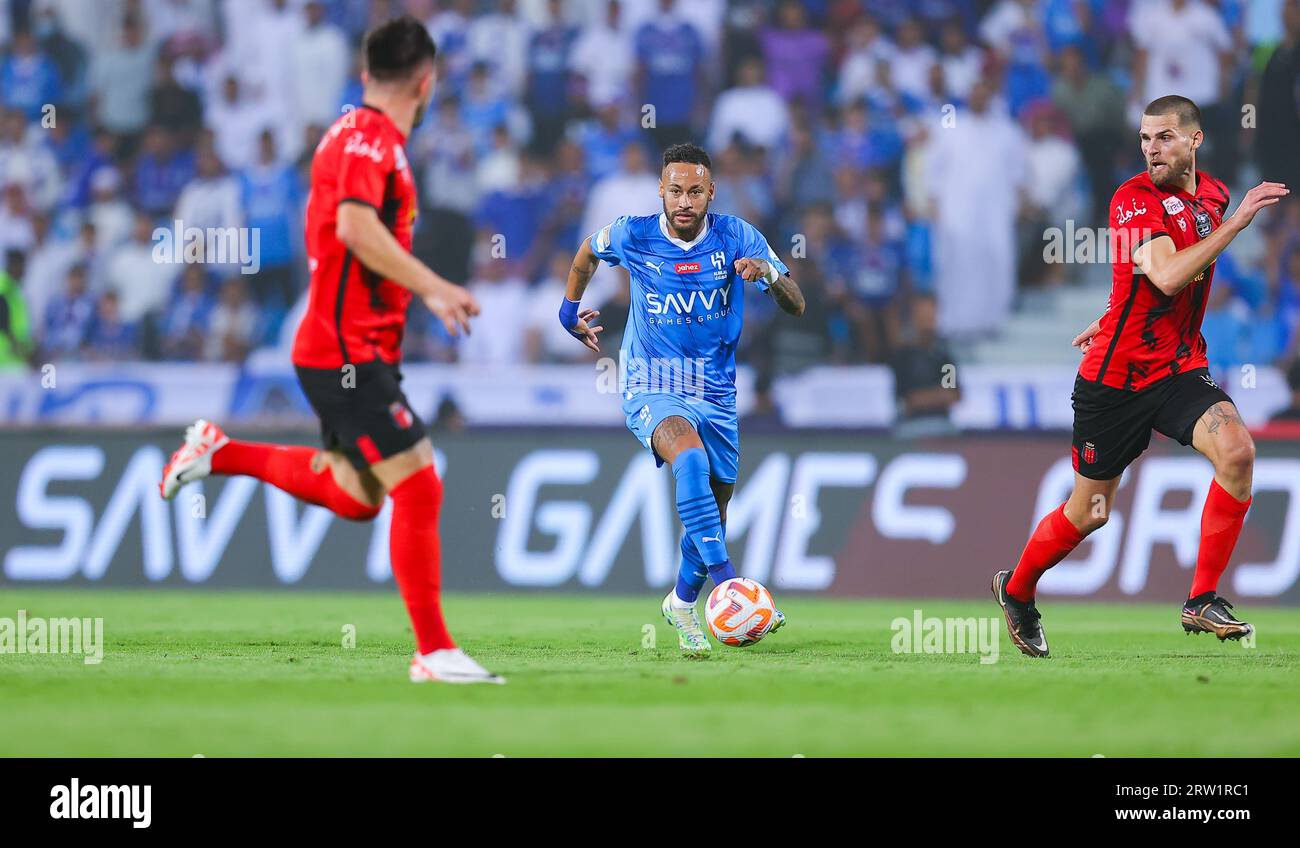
(718, 427)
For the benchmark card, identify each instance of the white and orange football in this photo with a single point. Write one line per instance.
(739, 611)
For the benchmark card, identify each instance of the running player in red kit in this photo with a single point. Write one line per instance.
(1144, 368)
(359, 219)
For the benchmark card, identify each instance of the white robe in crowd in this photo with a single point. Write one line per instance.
(321, 59)
(977, 167)
(735, 113)
(606, 59)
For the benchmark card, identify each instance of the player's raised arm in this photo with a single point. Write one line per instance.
(1170, 135)
(360, 229)
(1170, 269)
(784, 290)
(576, 322)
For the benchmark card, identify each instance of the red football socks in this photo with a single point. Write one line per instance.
(1052, 541)
(414, 546)
(288, 467)
(1221, 522)
(416, 554)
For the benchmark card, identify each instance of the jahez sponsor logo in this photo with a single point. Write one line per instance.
(687, 267)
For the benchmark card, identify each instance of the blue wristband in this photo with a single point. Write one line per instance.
(569, 313)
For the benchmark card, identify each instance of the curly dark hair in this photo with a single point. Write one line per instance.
(690, 153)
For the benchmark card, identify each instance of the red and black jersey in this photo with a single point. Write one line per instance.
(353, 314)
(1146, 335)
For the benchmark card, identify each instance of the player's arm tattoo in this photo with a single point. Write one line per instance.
(1220, 414)
(785, 291)
(585, 263)
(581, 270)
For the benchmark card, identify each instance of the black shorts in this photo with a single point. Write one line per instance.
(1113, 426)
(367, 418)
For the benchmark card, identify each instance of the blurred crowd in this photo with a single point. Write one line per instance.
(906, 159)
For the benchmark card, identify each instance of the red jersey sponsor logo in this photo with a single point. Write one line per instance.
(358, 146)
(1124, 214)
(687, 267)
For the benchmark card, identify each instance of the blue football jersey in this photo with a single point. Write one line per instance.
(687, 302)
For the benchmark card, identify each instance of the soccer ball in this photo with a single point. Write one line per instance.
(739, 611)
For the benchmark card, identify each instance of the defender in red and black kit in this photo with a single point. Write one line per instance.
(355, 317)
(359, 220)
(1144, 368)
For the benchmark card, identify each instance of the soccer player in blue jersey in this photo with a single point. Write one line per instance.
(688, 268)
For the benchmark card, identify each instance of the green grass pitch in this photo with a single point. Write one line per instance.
(267, 674)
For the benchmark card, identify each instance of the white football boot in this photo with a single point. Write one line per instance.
(690, 632)
(192, 460)
(450, 665)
